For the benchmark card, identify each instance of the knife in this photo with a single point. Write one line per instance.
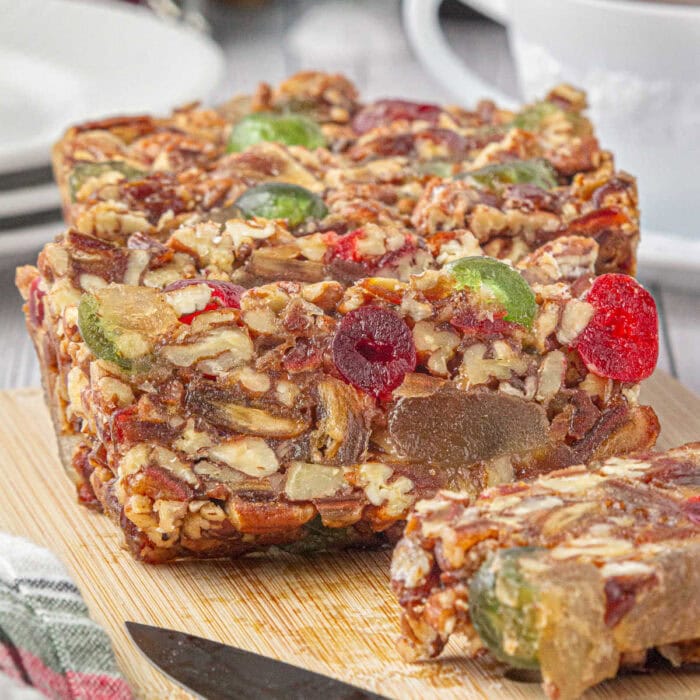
(217, 671)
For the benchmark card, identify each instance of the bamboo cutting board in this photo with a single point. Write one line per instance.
(332, 613)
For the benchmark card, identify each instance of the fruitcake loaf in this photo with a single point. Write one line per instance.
(487, 180)
(275, 324)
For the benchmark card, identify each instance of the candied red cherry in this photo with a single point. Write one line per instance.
(384, 112)
(373, 349)
(345, 247)
(621, 341)
(224, 295)
(35, 303)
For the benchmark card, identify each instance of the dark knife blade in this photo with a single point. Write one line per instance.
(220, 672)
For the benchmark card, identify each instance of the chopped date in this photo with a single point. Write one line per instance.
(159, 254)
(305, 356)
(483, 327)
(384, 112)
(154, 195)
(158, 483)
(528, 197)
(385, 145)
(104, 260)
(614, 186)
(449, 143)
(595, 222)
(89, 244)
(129, 429)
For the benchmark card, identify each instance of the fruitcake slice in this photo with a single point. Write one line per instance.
(212, 419)
(577, 573)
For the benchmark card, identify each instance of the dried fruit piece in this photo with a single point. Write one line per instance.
(427, 143)
(281, 200)
(35, 304)
(503, 610)
(477, 326)
(451, 143)
(535, 116)
(384, 112)
(224, 295)
(621, 341)
(373, 349)
(498, 280)
(342, 431)
(83, 171)
(345, 246)
(497, 177)
(452, 427)
(531, 117)
(611, 229)
(208, 400)
(289, 129)
(121, 323)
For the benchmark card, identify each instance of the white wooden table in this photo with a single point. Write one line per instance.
(253, 41)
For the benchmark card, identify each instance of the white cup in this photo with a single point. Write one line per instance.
(639, 62)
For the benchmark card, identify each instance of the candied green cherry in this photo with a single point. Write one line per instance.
(281, 200)
(289, 129)
(530, 118)
(496, 177)
(121, 324)
(503, 607)
(85, 170)
(499, 280)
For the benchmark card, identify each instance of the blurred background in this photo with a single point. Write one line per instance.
(638, 61)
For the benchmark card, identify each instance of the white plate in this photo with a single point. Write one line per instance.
(63, 61)
(27, 200)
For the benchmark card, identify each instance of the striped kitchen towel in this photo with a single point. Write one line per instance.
(47, 640)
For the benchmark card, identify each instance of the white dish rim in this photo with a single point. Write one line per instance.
(37, 153)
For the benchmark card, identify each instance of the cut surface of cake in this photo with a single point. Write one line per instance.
(576, 574)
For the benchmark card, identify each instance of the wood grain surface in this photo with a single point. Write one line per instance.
(331, 613)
